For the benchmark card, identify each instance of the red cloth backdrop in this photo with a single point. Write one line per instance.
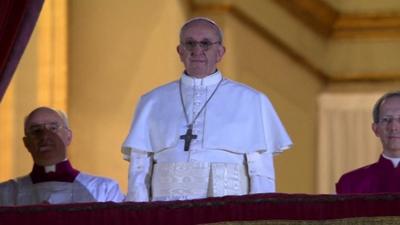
(295, 208)
(17, 20)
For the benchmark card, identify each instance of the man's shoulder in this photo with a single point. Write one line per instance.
(103, 188)
(359, 173)
(94, 180)
(7, 184)
(228, 83)
(240, 86)
(13, 182)
(163, 89)
(13, 185)
(8, 192)
(160, 94)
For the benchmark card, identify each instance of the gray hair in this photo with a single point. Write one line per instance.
(213, 24)
(377, 106)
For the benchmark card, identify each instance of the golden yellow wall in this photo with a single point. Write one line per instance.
(118, 50)
(253, 60)
(121, 50)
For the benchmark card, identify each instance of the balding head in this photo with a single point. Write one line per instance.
(47, 135)
(57, 115)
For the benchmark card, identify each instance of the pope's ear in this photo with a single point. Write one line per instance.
(221, 52)
(180, 51)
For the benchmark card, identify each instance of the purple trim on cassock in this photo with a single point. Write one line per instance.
(380, 177)
(64, 173)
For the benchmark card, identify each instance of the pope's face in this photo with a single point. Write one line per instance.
(388, 127)
(46, 137)
(199, 60)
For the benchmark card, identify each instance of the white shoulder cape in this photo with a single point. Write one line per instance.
(238, 119)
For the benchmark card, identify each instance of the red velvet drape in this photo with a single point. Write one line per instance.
(292, 207)
(17, 20)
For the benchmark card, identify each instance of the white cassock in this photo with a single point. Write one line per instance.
(238, 132)
(85, 188)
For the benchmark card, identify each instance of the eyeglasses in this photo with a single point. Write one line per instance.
(38, 129)
(204, 45)
(389, 120)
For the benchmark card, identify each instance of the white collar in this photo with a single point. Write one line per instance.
(209, 80)
(52, 168)
(395, 161)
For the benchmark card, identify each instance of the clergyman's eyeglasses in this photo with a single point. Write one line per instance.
(38, 129)
(389, 120)
(204, 45)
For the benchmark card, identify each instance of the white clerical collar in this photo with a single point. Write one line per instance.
(52, 168)
(395, 161)
(209, 80)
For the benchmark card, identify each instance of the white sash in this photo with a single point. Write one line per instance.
(181, 181)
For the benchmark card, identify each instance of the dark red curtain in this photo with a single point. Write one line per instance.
(283, 209)
(17, 20)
